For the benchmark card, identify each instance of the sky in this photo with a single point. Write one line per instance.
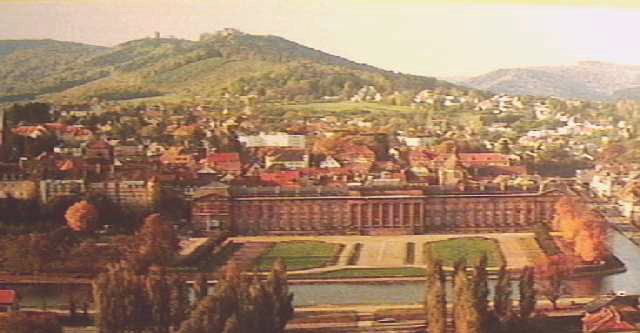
(427, 37)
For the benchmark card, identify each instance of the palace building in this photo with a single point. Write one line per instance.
(372, 210)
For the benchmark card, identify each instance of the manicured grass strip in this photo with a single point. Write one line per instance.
(410, 257)
(299, 255)
(468, 248)
(365, 273)
(354, 256)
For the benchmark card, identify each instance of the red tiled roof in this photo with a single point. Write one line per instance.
(483, 157)
(7, 296)
(422, 154)
(223, 157)
(476, 157)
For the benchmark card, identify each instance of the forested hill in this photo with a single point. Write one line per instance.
(225, 61)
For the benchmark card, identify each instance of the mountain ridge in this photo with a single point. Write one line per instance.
(225, 61)
(591, 80)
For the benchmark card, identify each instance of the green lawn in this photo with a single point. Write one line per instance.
(299, 255)
(470, 249)
(365, 273)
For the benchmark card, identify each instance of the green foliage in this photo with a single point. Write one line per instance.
(240, 305)
(126, 301)
(267, 66)
(300, 255)
(435, 297)
(466, 316)
(502, 302)
(527, 292)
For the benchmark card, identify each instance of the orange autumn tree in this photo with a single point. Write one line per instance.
(551, 274)
(583, 227)
(566, 220)
(81, 216)
(591, 242)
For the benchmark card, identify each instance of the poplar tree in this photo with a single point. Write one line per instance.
(179, 300)
(278, 287)
(159, 293)
(527, 292)
(435, 297)
(481, 287)
(466, 316)
(502, 303)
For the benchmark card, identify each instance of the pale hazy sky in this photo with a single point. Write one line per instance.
(420, 37)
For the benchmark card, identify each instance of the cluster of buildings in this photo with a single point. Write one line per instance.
(279, 183)
(301, 176)
(618, 184)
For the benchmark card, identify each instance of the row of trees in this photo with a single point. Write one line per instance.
(72, 249)
(127, 301)
(240, 305)
(23, 322)
(130, 302)
(471, 311)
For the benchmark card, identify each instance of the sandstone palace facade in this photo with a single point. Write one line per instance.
(371, 211)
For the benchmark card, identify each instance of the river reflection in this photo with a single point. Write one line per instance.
(396, 293)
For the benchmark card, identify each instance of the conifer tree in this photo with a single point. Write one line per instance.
(159, 293)
(179, 300)
(435, 297)
(481, 286)
(278, 287)
(502, 302)
(527, 292)
(466, 316)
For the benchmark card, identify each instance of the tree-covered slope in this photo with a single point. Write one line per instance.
(226, 61)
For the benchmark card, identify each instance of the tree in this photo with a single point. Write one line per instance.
(32, 253)
(121, 300)
(552, 273)
(502, 302)
(238, 305)
(278, 287)
(179, 300)
(481, 287)
(81, 216)
(156, 242)
(159, 294)
(466, 316)
(527, 292)
(22, 322)
(435, 298)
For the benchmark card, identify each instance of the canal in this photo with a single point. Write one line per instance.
(394, 293)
